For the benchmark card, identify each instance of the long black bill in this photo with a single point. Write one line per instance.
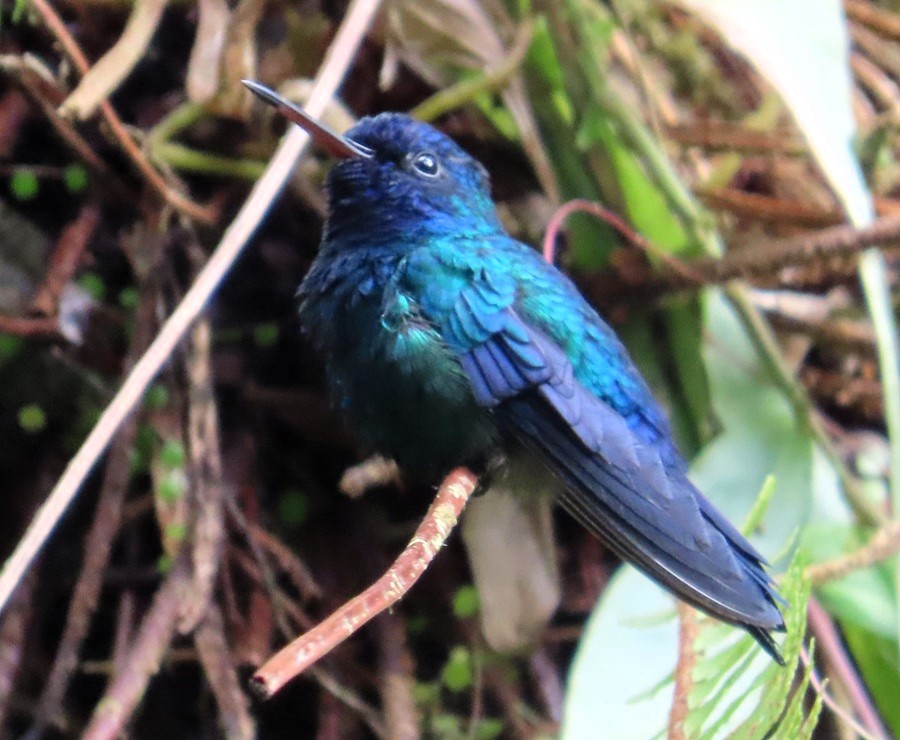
(335, 144)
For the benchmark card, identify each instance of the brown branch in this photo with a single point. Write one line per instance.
(715, 134)
(771, 209)
(178, 201)
(431, 534)
(829, 701)
(840, 667)
(150, 645)
(879, 50)
(396, 678)
(14, 626)
(759, 261)
(878, 84)
(66, 257)
(108, 72)
(546, 677)
(884, 544)
(207, 491)
(869, 14)
(293, 567)
(855, 335)
(360, 14)
(27, 326)
(688, 629)
(99, 541)
(33, 85)
(218, 665)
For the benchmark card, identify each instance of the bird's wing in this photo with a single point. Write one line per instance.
(616, 483)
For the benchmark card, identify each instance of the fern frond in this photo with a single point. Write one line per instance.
(739, 692)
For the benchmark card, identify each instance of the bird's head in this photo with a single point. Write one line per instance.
(397, 177)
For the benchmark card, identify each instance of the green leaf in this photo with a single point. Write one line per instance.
(293, 508)
(32, 418)
(75, 178)
(879, 663)
(489, 728)
(626, 651)
(93, 284)
(760, 436)
(458, 671)
(266, 335)
(542, 54)
(156, 397)
(172, 486)
(465, 602)
(24, 184)
(172, 454)
(128, 298)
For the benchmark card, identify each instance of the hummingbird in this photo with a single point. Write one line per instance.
(447, 342)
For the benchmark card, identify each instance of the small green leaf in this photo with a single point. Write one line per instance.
(157, 397)
(446, 726)
(457, 673)
(172, 454)
(416, 624)
(144, 449)
(489, 728)
(24, 185)
(75, 178)
(466, 603)
(266, 335)
(10, 346)
(426, 693)
(93, 284)
(176, 531)
(171, 487)
(293, 508)
(164, 564)
(128, 298)
(32, 418)
(542, 54)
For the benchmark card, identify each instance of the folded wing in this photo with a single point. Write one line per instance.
(616, 483)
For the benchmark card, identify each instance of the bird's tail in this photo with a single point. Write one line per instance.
(509, 540)
(655, 518)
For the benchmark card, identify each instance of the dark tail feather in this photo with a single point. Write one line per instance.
(674, 536)
(766, 642)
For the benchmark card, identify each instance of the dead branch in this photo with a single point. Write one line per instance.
(684, 671)
(218, 665)
(431, 534)
(108, 72)
(206, 484)
(884, 544)
(763, 260)
(396, 677)
(66, 258)
(99, 541)
(56, 26)
(148, 649)
(13, 630)
(334, 67)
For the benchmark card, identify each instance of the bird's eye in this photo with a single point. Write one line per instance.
(426, 164)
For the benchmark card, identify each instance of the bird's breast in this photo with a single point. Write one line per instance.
(390, 372)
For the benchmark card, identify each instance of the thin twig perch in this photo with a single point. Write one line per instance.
(437, 525)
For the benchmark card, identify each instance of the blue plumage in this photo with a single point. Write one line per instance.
(449, 343)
